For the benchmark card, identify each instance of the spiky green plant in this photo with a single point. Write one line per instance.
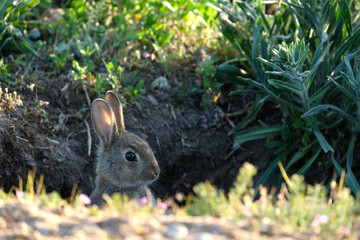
(299, 59)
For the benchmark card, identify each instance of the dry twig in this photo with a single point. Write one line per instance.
(89, 141)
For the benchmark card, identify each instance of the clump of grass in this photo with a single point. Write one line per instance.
(35, 192)
(9, 100)
(303, 206)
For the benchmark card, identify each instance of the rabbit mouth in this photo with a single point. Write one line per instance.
(133, 184)
(148, 182)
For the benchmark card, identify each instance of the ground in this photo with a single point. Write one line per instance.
(24, 220)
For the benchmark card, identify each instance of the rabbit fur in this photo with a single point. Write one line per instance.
(125, 162)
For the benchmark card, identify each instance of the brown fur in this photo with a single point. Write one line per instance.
(114, 172)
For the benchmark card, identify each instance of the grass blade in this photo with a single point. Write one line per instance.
(296, 157)
(269, 92)
(349, 161)
(323, 107)
(349, 182)
(323, 142)
(341, 65)
(308, 164)
(256, 133)
(346, 17)
(274, 165)
(257, 105)
(284, 86)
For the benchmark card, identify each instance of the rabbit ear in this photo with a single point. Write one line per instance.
(113, 100)
(103, 120)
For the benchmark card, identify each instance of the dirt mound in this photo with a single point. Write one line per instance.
(24, 146)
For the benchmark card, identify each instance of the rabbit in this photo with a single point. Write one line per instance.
(125, 162)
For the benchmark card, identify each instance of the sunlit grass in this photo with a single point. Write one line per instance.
(333, 213)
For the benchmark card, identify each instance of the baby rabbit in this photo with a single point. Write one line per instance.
(125, 162)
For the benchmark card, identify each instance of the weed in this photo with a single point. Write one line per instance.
(211, 87)
(134, 92)
(59, 60)
(4, 72)
(299, 205)
(8, 101)
(39, 106)
(114, 72)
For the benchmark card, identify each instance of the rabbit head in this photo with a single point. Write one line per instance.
(124, 159)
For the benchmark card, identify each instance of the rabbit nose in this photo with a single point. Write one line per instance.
(156, 173)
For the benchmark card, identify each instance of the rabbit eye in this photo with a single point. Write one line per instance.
(130, 156)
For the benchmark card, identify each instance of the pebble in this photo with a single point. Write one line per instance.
(160, 83)
(43, 231)
(153, 100)
(176, 231)
(34, 34)
(209, 236)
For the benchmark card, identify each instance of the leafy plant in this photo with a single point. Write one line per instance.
(41, 112)
(4, 72)
(59, 60)
(295, 77)
(114, 72)
(79, 73)
(211, 87)
(13, 15)
(134, 93)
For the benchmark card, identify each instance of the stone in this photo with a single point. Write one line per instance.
(176, 231)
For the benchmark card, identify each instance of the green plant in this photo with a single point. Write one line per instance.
(295, 76)
(298, 205)
(39, 104)
(79, 73)
(4, 72)
(134, 93)
(101, 85)
(114, 72)
(211, 86)
(14, 16)
(59, 60)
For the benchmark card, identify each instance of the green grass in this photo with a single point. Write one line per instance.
(87, 37)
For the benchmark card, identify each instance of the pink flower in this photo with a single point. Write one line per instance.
(143, 200)
(345, 231)
(320, 219)
(162, 205)
(324, 218)
(84, 198)
(19, 194)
